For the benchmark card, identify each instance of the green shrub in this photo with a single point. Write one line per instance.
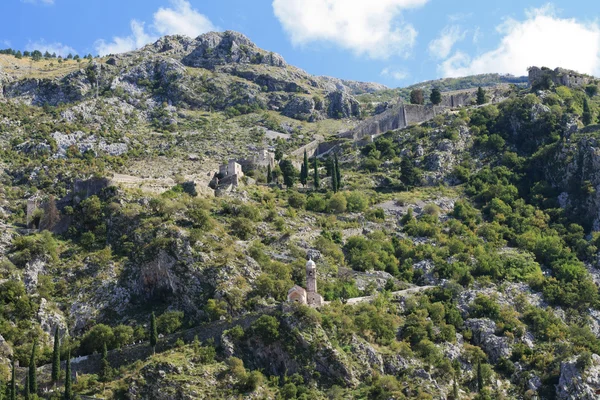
(356, 201)
(243, 228)
(337, 203)
(266, 328)
(297, 200)
(316, 203)
(169, 322)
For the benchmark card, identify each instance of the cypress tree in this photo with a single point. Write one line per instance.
(479, 377)
(304, 173)
(105, 369)
(269, 174)
(480, 96)
(334, 182)
(33, 371)
(586, 117)
(456, 366)
(13, 382)
(316, 179)
(68, 388)
(26, 391)
(337, 171)
(436, 96)
(56, 357)
(153, 333)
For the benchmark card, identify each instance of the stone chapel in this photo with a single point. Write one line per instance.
(308, 296)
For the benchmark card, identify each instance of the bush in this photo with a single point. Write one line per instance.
(297, 200)
(316, 203)
(243, 228)
(356, 201)
(267, 328)
(337, 203)
(96, 338)
(169, 322)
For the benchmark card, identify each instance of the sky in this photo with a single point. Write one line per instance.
(393, 42)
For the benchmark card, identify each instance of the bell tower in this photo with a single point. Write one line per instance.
(311, 276)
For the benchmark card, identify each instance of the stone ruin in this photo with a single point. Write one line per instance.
(558, 76)
(308, 296)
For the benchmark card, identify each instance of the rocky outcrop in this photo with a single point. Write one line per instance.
(579, 382)
(484, 330)
(342, 105)
(218, 48)
(299, 108)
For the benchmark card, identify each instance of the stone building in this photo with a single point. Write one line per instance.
(308, 296)
(559, 76)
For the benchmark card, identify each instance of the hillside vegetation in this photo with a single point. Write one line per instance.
(157, 289)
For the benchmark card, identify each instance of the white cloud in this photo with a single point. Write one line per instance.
(121, 44)
(442, 45)
(542, 39)
(180, 19)
(398, 74)
(55, 47)
(374, 28)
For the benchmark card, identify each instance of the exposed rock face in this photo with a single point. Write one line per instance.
(576, 165)
(484, 329)
(577, 384)
(30, 276)
(83, 143)
(50, 319)
(215, 48)
(342, 105)
(299, 108)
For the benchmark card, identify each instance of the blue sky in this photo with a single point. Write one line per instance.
(394, 42)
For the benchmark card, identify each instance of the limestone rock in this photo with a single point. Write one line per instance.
(299, 108)
(217, 48)
(30, 275)
(576, 384)
(484, 336)
(342, 105)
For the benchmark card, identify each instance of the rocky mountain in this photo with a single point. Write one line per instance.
(155, 210)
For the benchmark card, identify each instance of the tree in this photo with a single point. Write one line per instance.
(153, 332)
(56, 357)
(304, 170)
(19, 55)
(33, 370)
(316, 179)
(334, 182)
(269, 174)
(36, 55)
(68, 388)
(436, 96)
(480, 384)
(13, 382)
(338, 174)
(289, 173)
(586, 117)
(416, 96)
(105, 369)
(480, 96)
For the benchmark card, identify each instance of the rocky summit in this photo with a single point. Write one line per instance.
(200, 219)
